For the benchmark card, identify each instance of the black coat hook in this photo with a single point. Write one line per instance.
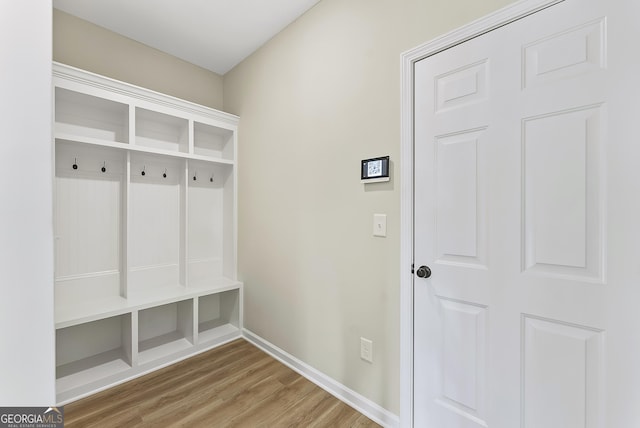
(104, 167)
(194, 176)
(164, 175)
(211, 179)
(143, 171)
(75, 163)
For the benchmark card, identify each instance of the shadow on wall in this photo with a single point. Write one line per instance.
(383, 185)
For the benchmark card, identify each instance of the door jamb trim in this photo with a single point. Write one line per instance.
(476, 28)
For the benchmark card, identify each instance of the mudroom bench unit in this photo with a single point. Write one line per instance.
(145, 231)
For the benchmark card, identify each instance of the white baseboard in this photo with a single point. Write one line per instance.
(362, 404)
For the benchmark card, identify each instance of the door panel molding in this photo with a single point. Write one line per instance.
(497, 19)
(545, 155)
(551, 349)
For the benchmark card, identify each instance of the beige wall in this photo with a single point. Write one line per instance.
(84, 45)
(313, 102)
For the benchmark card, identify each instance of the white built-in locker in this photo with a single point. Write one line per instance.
(145, 231)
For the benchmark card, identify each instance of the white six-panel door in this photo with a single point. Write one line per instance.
(523, 195)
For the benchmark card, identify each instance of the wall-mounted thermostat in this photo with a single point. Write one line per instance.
(375, 170)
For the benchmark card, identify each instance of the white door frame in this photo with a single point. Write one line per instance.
(499, 18)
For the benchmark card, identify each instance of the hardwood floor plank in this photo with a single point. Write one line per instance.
(307, 411)
(220, 410)
(281, 402)
(340, 415)
(223, 413)
(235, 385)
(103, 404)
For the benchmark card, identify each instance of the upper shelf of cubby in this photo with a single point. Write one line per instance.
(97, 110)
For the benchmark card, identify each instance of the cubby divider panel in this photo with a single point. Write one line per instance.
(165, 330)
(161, 131)
(88, 116)
(89, 352)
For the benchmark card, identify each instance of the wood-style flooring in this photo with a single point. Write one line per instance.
(235, 385)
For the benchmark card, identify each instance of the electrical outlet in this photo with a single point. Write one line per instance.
(366, 349)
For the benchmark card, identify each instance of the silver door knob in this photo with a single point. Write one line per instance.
(423, 272)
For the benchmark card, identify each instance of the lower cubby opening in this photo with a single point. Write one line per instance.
(165, 330)
(218, 316)
(92, 352)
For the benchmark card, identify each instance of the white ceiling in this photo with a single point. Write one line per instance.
(214, 34)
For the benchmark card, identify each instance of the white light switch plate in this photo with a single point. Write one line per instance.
(379, 225)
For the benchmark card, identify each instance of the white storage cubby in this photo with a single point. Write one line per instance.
(213, 141)
(218, 315)
(161, 131)
(89, 208)
(165, 330)
(209, 222)
(145, 231)
(91, 353)
(83, 115)
(156, 224)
